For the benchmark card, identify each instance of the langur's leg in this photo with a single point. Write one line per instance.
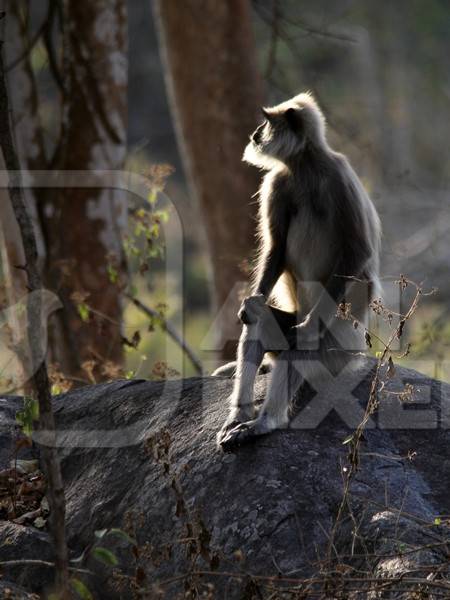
(249, 357)
(266, 334)
(285, 382)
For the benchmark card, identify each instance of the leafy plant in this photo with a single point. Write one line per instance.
(28, 415)
(81, 589)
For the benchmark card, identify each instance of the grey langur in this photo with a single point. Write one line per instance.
(319, 244)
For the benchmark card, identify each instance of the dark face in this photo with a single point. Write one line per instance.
(286, 131)
(280, 134)
(257, 134)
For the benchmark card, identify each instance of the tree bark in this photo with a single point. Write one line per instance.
(215, 91)
(82, 227)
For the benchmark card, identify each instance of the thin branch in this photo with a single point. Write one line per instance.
(23, 55)
(40, 380)
(308, 29)
(274, 37)
(49, 45)
(170, 330)
(337, 37)
(38, 563)
(273, 579)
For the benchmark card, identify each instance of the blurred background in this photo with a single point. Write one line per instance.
(169, 91)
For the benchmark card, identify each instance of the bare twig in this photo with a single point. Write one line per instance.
(55, 69)
(274, 37)
(378, 581)
(301, 25)
(23, 562)
(170, 330)
(40, 380)
(377, 385)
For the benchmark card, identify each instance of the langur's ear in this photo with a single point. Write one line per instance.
(266, 114)
(293, 119)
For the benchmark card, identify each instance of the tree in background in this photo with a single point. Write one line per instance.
(34, 342)
(84, 226)
(81, 228)
(29, 139)
(215, 91)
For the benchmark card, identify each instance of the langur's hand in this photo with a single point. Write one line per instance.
(252, 309)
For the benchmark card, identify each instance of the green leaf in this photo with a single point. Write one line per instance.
(26, 417)
(33, 407)
(112, 274)
(163, 215)
(347, 440)
(122, 534)
(81, 589)
(83, 311)
(152, 196)
(105, 556)
(101, 533)
(138, 229)
(437, 521)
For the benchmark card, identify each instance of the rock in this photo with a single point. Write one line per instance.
(11, 591)
(269, 508)
(21, 543)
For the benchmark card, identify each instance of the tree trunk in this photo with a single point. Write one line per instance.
(83, 226)
(215, 91)
(29, 143)
(41, 384)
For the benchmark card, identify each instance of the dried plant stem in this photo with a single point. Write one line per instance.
(40, 380)
(376, 385)
(379, 582)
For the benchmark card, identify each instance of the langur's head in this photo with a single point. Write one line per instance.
(287, 129)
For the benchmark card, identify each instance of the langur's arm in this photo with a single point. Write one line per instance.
(273, 258)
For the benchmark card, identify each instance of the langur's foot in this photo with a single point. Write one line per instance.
(244, 433)
(226, 428)
(236, 417)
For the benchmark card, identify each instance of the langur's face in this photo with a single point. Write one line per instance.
(280, 136)
(285, 131)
